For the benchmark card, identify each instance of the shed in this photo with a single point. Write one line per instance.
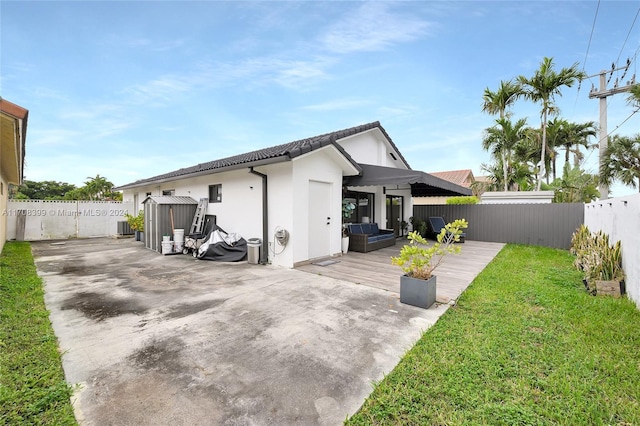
(160, 211)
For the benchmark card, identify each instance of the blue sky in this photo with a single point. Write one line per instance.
(129, 90)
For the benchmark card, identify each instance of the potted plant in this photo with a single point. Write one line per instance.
(605, 274)
(137, 224)
(600, 262)
(403, 227)
(347, 210)
(418, 260)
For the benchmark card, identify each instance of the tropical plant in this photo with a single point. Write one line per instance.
(519, 177)
(543, 87)
(418, 225)
(575, 186)
(347, 208)
(622, 161)
(596, 257)
(501, 140)
(418, 260)
(578, 135)
(135, 222)
(634, 96)
(497, 103)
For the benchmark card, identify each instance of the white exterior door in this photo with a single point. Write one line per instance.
(320, 219)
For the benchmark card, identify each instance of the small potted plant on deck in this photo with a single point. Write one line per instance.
(137, 224)
(418, 260)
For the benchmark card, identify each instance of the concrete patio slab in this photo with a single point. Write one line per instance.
(170, 340)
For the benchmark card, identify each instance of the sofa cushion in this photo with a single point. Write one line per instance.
(355, 228)
(366, 228)
(374, 228)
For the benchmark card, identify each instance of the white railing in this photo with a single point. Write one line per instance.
(620, 219)
(33, 220)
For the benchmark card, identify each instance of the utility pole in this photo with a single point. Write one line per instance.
(602, 94)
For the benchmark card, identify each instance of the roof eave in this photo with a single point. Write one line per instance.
(240, 166)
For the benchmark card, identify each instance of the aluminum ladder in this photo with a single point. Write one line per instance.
(198, 217)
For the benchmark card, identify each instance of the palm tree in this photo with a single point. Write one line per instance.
(634, 96)
(578, 135)
(98, 188)
(570, 137)
(622, 161)
(543, 87)
(497, 102)
(502, 139)
(518, 179)
(575, 186)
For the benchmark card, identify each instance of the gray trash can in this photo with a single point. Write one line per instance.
(253, 250)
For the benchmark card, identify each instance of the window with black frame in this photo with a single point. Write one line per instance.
(363, 203)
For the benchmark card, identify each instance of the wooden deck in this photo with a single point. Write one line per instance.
(374, 269)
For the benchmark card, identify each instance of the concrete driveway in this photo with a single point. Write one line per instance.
(170, 340)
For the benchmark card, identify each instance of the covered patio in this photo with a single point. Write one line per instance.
(374, 269)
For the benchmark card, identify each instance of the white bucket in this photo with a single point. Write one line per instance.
(178, 235)
(167, 247)
(179, 246)
(166, 238)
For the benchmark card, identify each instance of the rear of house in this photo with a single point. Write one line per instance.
(299, 187)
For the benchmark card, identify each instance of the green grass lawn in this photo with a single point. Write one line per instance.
(526, 345)
(32, 386)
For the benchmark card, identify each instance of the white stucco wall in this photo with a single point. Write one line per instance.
(318, 167)
(517, 197)
(371, 147)
(620, 219)
(241, 208)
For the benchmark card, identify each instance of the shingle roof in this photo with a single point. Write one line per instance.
(269, 155)
(459, 177)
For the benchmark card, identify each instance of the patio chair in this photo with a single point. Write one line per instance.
(436, 223)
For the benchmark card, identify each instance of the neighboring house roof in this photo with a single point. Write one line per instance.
(459, 177)
(422, 184)
(13, 136)
(274, 154)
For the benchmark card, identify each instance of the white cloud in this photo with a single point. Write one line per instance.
(372, 28)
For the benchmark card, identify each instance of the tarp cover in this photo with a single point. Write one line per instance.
(223, 247)
(421, 183)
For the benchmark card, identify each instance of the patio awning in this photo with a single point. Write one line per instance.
(422, 184)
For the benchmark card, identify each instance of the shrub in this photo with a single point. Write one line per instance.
(463, 200)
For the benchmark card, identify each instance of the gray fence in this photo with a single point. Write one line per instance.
(549, 225)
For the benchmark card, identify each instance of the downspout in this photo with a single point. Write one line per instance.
(264, 258)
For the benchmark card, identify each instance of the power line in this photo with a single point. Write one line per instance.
(624, 121)
(593, 27)
(584, 63)
(628, 34)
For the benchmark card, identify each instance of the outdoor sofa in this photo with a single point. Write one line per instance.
(365, 237)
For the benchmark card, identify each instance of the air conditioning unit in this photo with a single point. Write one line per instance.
(124, 228)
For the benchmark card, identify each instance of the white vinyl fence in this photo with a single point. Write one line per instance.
(32, 220)
(620, 219)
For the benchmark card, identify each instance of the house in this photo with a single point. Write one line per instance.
(462, 178)
(300, 187)
(13, 134)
